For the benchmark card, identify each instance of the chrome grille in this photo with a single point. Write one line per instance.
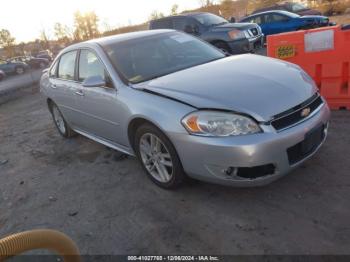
(254, 31)
(295, 114)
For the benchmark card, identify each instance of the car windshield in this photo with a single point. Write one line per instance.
(298, 7)
(210, 19)
(146, 58)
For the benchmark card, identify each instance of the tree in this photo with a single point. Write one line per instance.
(257, 4)
(7, 41)
(226, 8)
(236, 8)
(206, 3)
(330, 6)
(174, 9)
(44, 39)
(156, 15)
(22, 46)
(85, 26)
(63, 33)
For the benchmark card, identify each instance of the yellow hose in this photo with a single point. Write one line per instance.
(39, 239)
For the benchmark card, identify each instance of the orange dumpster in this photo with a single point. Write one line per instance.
(324, 53)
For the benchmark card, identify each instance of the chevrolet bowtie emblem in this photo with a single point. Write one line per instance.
(305, 112)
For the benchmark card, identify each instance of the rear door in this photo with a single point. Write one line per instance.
(64, 86)
(278, 23)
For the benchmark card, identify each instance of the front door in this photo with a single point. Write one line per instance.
(278, 23)
(99, 106)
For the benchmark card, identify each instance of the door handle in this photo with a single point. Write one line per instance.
(79, 93)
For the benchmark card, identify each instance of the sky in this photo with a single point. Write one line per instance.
(25, 19)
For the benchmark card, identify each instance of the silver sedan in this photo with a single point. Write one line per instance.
(187, 110)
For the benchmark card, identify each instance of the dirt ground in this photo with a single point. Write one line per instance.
(340, 19)
(109, 206)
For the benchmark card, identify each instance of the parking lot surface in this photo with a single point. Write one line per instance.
(108, 206)
(16, 81)
(15, 85)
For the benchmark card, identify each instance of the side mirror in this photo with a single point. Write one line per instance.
(94, 81)
(232, 19)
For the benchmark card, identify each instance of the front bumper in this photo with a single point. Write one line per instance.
(207, 159)
(247, 45)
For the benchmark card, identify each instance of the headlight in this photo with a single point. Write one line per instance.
(236, 34)
(216, 123)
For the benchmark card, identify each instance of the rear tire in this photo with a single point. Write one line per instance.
(158, 157)
(60, 123)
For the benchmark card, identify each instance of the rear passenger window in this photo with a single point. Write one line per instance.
(279, 18)
(276, 18)
(162, 24)
(53, 70)
(66, 66)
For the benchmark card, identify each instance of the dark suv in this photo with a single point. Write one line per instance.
(234, 38)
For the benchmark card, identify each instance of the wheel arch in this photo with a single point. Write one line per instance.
(220, 41)
(49, 102)
(215, 41)
(134, 124)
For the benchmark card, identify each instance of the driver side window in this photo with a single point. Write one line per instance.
(257, 20)
(90, 65)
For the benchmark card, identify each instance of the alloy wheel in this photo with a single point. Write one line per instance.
(58, 118)
(156, 158)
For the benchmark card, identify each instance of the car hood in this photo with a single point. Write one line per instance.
(259, 86)
(230, 26)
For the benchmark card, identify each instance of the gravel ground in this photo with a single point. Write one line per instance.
(13, 86)
(108, 206)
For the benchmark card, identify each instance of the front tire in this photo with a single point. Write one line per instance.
(223, 46)
(60, 123)
(158, 157)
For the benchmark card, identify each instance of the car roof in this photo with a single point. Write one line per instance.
(282, 12)
(119, 38)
